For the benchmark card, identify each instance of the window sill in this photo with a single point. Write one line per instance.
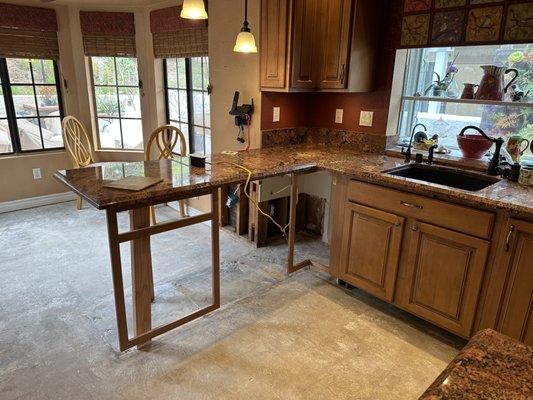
(454, 159)
(32, 154)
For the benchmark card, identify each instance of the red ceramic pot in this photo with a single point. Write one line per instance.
(473, 145)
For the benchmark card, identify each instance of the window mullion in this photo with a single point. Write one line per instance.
(36, 104)
(10, 107)
(118, 104)
(190, 105)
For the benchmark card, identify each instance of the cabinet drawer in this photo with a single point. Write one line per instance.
(459, 218)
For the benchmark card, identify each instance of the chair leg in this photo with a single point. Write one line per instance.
(182, 208)
(152, 215)
(79, 203)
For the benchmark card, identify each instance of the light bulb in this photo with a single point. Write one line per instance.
(193, 9)
(245, 43)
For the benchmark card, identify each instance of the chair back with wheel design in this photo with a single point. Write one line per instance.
(166, 138)
(77, 142)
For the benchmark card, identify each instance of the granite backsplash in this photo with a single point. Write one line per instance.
(365, 142)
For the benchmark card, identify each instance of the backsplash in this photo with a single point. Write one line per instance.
(365, 142)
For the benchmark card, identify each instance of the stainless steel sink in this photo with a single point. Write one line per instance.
(444, 176)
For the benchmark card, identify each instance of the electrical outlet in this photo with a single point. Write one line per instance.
(366, 118)
(275, 114)
(37, 173)
(339, 114)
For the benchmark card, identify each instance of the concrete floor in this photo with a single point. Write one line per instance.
(275, 337)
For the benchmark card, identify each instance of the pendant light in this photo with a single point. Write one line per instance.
(193, 9)
(245, 42)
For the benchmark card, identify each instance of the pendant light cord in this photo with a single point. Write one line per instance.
(245, 27)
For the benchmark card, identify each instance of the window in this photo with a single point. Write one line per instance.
(186, 81)
(445, 113)
(118, 102)
(30, 106)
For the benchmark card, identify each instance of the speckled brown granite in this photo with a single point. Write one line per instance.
(491, 366)
(352, 140)
(182, 181)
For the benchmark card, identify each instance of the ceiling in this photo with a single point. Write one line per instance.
(91, 2)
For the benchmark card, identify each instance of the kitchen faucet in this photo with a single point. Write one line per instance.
(408, 152)
(494, 163)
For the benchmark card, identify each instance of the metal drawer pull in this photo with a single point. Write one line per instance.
(508, 239)
(411, 205)
(414, 228)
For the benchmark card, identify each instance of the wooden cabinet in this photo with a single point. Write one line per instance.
(370, 249)
(516, 316)
(311, 45)
(444, 272)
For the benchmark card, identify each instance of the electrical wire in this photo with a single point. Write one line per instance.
(246, 188)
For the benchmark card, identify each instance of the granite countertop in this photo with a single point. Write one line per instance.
(182, 181)
(491, 366)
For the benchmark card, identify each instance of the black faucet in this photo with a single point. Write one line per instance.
(408, 152)
(431, 154)
(494, 163)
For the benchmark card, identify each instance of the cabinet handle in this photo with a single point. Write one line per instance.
(343, 68)
(414, 227)
(508, 239)
(411, 205)
(398, 224)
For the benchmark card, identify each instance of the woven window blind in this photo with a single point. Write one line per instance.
(108, 34)
(175, 37)
(28, 32)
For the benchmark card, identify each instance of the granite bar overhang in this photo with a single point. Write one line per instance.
(181, 181)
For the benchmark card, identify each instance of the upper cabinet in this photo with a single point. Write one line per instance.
(319, 45)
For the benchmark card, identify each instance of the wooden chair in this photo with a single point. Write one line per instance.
(166, 138)
(77, 145)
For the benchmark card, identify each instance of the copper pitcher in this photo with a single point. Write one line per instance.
(469, 91)
(492, 86)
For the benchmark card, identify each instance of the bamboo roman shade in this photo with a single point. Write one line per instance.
(108, 34)
(176, 37)
(28, 32)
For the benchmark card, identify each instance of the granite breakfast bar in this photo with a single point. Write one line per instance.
(182, 181)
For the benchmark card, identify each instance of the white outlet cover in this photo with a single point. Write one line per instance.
(339, 115)
(366, 118)
(275, 114)
(36, 173)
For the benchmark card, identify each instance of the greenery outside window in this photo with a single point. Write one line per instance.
(187, 99)
(447, 114)
(30, 106)
(117, 99)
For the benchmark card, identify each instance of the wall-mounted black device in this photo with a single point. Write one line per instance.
(243, 115)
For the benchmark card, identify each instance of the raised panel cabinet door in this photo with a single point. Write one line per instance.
(305, 48)
(274, 34)
(335, 41)
(371, 249)
(445, 272)
(516, 319)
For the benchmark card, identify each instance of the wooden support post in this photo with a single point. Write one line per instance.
(141, 273)
(292, 222)
(223, 211)
(241, 225)
(215, 248)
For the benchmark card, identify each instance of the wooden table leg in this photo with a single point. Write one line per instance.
(215, 249)
(141, 273)
(292, 222)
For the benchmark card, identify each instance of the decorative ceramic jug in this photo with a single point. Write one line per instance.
(514, 146)
(469, 91)
(492, 86)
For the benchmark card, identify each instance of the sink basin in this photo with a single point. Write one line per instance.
(445, 176)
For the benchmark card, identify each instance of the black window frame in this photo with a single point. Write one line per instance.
(189, 89)
(117, 88)
(10, 106)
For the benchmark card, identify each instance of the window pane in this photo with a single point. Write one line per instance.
(106, 101)
(130, 102)
(127, 74)
(19, 70)
(109, 130)
(184, 115)
(29, 133)
(5, 137)
(207, 110)
(182, 80)
(47, 101)
(24, 101)
(205, 62)
(132, 133)
(196, 66)
(207, 141)
(103, 70)
(43, 71)
(198, 140)
(51, 128)
(173, 105)
(172, 73)
(184, 128)
(2, 104)
(198, 105)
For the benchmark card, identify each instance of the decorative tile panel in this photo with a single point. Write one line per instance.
(484, 24)
(484, 1)
(417, 5)
(448, 27)
(519, 23)
(449, 3)
(415, 30)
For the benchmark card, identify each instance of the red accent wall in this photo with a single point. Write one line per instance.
(318, 109)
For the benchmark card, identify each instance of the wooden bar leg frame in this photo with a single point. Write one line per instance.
(291, 267)
(142, 280)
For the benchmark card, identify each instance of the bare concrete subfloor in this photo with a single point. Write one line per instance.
(275, 337)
